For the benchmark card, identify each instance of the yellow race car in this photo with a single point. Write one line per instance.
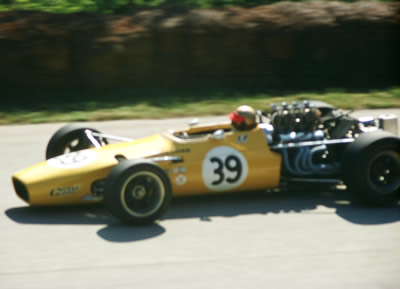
(302, 142)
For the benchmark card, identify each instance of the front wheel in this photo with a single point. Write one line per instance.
(137, 192)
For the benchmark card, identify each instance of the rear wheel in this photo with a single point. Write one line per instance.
(384, 171)
(375, 178)
(137, 193)
(70, 138)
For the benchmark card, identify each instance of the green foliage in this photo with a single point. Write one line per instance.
(73, 105)
(121, 6)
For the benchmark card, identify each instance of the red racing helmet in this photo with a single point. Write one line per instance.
(243, 118)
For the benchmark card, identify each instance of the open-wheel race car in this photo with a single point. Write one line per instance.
(308, 142)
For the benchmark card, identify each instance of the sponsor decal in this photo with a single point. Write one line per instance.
(242, 138)
(180, 180)
(179, 151)
(57, 192)
(179, 170)
(224, 168)
(92, 198)
(73, 160)
(182, 150)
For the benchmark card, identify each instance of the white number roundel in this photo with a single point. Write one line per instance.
(224, 168)
(73, 160)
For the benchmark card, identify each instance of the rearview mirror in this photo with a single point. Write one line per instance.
(219, 134)
(194, 122)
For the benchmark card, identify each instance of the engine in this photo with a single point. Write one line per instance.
(312, 138)
(297, 117)
(309, 121)
(303, 133)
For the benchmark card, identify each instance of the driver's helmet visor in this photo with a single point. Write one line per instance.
(236, 118)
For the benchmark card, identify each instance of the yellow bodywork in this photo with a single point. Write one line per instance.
(237, 161)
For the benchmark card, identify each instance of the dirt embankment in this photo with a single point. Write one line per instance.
(286, 45)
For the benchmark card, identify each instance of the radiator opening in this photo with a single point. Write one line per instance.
(21, 190)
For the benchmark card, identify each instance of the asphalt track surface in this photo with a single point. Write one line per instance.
(298, 239)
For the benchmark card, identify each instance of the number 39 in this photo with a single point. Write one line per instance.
(232, 164)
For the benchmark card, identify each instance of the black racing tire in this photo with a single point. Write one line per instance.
(137, 192)
(371, 170)
(69, 138)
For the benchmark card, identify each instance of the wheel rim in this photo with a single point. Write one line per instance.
(384, 172)
(142, 194)
(76, 143)
(80, 142)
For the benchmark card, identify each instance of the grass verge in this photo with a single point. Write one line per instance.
(88, 108)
